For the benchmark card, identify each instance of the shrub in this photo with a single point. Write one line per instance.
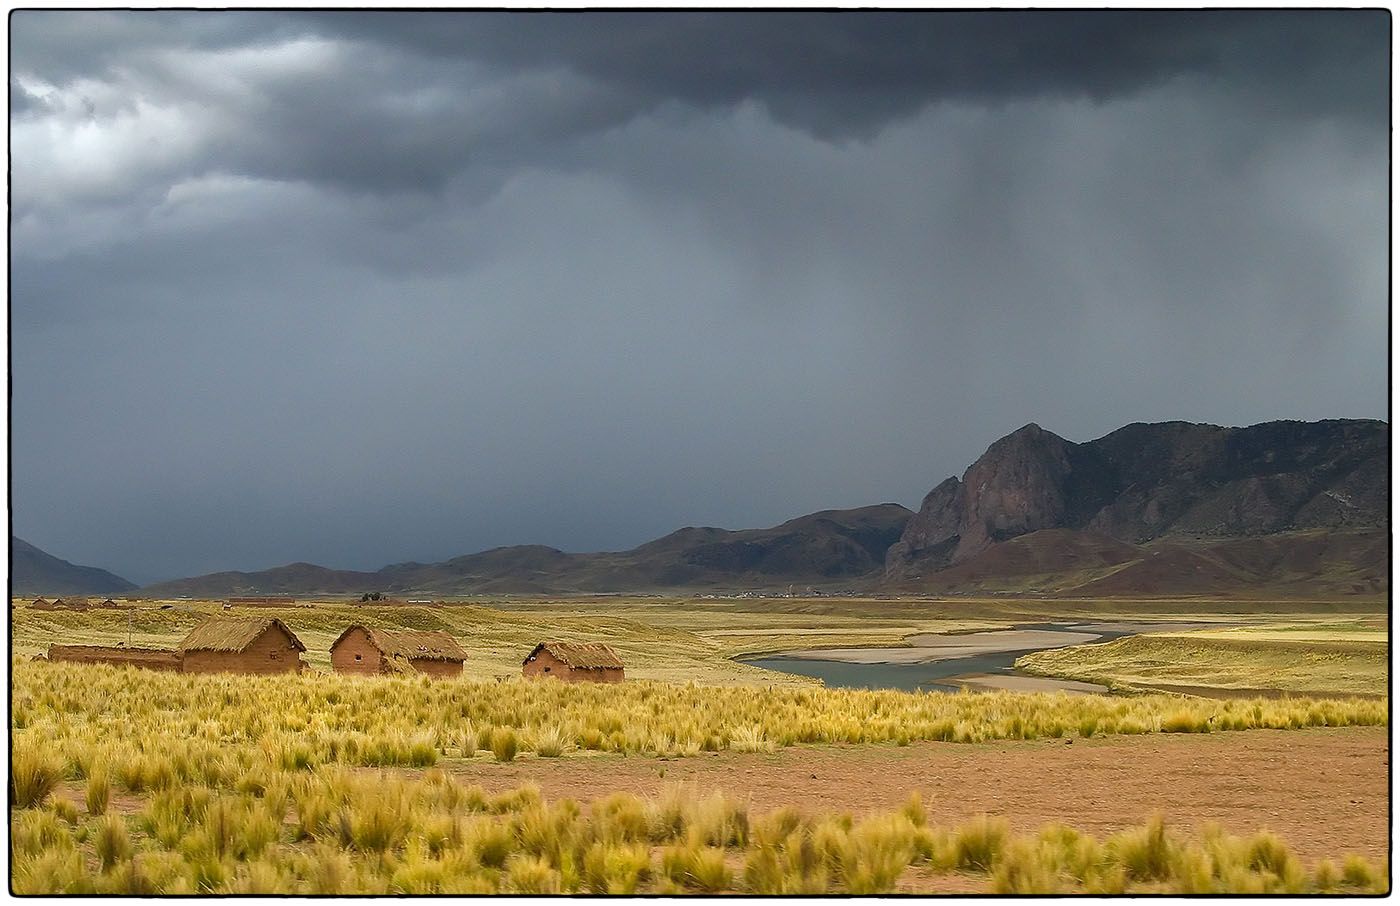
(1024, 868)
(113, 842)
(66, 810)
(750, 739)
(615, 868)
(1358, 873)
(99, 791)
(978, 843)
(531, 874)
(1327, 877)
(1268, 853)
(878, 851)
(1184, 722)
(1146, 852)
(914, 810)
(491, 841)
(504, 744)
(34, 772)
(695, 867)
(551, 742)
(376, 825)
(466, 741)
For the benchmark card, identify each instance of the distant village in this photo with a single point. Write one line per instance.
(267, 645)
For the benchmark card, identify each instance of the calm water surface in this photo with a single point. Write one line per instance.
(931, 675)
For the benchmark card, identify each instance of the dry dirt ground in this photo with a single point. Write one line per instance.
(1325, 791)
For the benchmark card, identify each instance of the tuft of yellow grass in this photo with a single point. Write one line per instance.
(378, 833)
(154, 731)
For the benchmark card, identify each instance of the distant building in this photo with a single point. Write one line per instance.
(574, 662)
(69, 603)
(365, 651)
(150, 658)
(221, 644)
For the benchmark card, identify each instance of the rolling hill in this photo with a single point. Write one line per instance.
(817, 549)
(34, 572)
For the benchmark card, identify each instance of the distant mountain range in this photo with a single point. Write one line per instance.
(1282, 508)
(35, 572)
(826, 547)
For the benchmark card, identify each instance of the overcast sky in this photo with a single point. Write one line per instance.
(362, 288)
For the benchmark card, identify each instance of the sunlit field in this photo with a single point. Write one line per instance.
(1329, 658)
(341, 832)
(670, 640)
(126, 716)
(131, 781)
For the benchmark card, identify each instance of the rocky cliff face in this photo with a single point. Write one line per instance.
(1149, 481)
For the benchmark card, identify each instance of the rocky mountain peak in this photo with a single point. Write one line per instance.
(1146, 481)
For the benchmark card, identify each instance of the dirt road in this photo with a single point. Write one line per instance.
(1325, 791)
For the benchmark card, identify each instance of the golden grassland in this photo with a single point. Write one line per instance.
(667, 640)
(297, 784)
(158, 729)
(1317, 657)
(337, 831)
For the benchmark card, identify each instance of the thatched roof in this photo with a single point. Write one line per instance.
(220, 634)
(412, 644)
(581, 656)
(39, 603)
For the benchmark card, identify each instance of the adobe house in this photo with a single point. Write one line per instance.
(41, 604)
(241, 646)
(361, 650)
(150, 658)
(574, 662)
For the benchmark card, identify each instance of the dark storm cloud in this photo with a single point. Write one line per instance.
(841, 72)
(357, 288)
(421, 98)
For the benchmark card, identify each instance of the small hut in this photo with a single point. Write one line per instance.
(574, 662)
(372, 651)
(69, 603)
(241, 646)
(41, 604)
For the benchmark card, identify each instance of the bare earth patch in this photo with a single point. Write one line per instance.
(1324, 791)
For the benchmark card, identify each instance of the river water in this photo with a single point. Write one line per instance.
(934, 660)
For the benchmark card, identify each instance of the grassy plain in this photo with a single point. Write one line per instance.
(1318, 657)
(341, 832)
(260, 784)
(273, 784)
(669, 640)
